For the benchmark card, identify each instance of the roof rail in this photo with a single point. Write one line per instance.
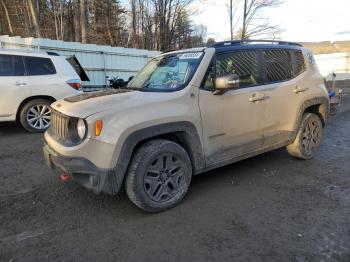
(249, 41)
(52, 53)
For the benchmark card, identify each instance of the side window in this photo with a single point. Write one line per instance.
(39, 66)
(208, 83)
(243, 63)
(11, 65)
(278, 65)
(300, 66)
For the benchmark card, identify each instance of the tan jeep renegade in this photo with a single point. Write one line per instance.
(187, 112)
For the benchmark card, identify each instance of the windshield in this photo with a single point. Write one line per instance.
(167, 73)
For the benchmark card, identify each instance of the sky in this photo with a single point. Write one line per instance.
(301, 20)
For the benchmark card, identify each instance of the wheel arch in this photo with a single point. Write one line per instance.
(183, 133)
(28, 99)
(184, 140)
(319, 106)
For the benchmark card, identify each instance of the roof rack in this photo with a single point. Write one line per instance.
(241, 42)
(52, 53)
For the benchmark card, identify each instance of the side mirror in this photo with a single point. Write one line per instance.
(225, 83)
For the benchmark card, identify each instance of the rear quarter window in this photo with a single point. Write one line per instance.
(278, 65)
(300, 65)
(11, 65)
(39, 66)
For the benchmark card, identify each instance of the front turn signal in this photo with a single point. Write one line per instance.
(98, 127)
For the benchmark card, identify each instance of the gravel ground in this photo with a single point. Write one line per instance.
(268, 208)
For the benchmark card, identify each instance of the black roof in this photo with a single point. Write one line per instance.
(254, 44)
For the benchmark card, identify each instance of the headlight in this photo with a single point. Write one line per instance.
(81, 127)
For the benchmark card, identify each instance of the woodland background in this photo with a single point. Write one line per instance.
(147, 24)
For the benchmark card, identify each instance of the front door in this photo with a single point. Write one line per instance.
(14, 85)
(233, 123)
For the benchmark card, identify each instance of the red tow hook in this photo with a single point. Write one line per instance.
(65, 177)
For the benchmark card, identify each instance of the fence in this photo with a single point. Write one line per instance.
(98, 61)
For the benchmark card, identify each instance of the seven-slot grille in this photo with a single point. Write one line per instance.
(59, 124)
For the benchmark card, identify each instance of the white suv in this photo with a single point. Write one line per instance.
(29, 83)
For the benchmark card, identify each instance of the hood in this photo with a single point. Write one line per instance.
(87, 104)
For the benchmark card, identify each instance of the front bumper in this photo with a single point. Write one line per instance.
(84, 172)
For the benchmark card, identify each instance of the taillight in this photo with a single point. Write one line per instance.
(75, 83)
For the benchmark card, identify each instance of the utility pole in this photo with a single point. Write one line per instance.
(244, 29)
(231, 18)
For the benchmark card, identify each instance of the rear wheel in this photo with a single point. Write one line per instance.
(159, 176)
(35, 115)
(308, 139)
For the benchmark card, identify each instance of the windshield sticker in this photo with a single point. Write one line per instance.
(192, 55)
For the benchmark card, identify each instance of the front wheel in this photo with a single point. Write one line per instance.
(35, 115)
(159, 176)
(308, 139)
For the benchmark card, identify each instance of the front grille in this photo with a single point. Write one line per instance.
(59, 124)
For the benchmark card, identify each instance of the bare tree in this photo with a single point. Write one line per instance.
(57, 8)
(108, 26)
(133, 33)
(83, 21)
(9, 23)
(24, 10)
(53, 4)
(34, 16)
(253, 24)
(149, 24)
(166, 15)
(75, 13)
(232, 10)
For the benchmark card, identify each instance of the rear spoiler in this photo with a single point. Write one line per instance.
(78, 68)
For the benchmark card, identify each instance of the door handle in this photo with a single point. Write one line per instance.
(21, 84)
(300, 89)
(257, 97)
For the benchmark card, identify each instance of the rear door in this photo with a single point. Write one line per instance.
(14, 86)
(42, 75)
(282, 74)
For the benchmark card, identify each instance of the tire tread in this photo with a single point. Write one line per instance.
(130, 181)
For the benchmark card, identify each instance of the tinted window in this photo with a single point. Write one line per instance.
(209, 79)
(39, 66)
(11, 65)
(278, 65)
(242, 63)
(299, 63)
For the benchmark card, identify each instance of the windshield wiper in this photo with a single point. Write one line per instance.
(132, 88)
(146, 85)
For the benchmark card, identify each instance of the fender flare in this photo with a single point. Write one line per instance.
(323, 111)
(189, 135)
